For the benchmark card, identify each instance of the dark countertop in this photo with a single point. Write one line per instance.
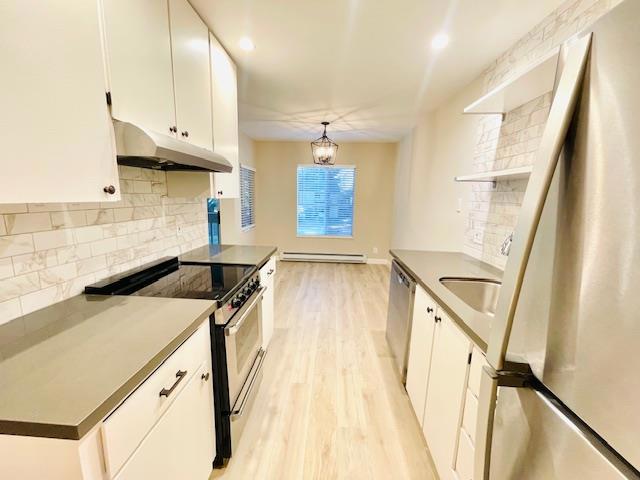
(65, 367)
(230, 254)
(428, 267)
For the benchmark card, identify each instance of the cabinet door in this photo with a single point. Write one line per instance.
(138, 48)
(192, 81)
(267, 279)
(225, 118)
(55, 129)
(464, 462)
(447, 384)
(181, 445)
(420, 347)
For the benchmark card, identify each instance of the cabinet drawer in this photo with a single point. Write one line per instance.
(180, 445)
(464, 462)
(475, 370)
(268, 270)
(470, 415)
(130, 422)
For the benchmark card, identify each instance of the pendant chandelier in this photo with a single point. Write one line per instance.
(324, 150)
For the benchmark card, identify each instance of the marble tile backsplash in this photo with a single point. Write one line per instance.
(49, 252)
(502, 144)
(514, 141)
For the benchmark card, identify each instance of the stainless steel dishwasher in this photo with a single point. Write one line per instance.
(402, 290)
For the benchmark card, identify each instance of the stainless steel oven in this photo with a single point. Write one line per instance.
(238, 360)
(243, 343)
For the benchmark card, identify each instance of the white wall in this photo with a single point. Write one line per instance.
(230, 227)
(446, 143)
(441, 146)
(276, 190)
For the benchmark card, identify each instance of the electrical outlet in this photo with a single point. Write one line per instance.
(179, 230)
(375, 249)
(478, 237)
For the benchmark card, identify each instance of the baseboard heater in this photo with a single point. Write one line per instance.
(323, 257)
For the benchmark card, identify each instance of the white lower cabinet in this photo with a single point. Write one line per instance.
(163, 430)
(267, 279)
(467, 436)
(181, 444)
(447, 384)
(464, 460)
(420, 349)
(443, 382)
(126, 427)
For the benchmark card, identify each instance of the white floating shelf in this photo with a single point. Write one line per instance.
(534, 80)
(496, 175)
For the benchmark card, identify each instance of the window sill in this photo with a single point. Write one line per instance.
(334, 237)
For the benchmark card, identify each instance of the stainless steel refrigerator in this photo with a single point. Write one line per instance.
(564, 352)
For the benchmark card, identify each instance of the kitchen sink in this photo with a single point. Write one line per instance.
(481, 294)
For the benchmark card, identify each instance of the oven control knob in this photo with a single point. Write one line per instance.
(235, 303)
(242, 297)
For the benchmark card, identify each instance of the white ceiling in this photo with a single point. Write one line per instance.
(364, 65)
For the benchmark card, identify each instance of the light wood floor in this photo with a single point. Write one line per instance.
(331, 405)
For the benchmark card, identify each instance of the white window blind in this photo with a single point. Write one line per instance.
(247, 196)
(325, 201)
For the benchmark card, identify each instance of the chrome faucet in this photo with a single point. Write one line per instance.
(505, 248)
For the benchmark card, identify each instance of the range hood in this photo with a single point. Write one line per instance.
(137, 147)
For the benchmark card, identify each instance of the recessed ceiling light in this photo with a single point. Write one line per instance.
(246, 44)
(440, 41)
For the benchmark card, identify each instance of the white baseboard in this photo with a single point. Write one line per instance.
(322, 257)
(378, 261)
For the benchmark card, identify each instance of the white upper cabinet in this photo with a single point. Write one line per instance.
(225, 119)
(191, 74)
(55, 129)
(138, 50)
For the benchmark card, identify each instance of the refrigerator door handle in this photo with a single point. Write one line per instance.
(518, 375)
(553, 138)
(560, 116)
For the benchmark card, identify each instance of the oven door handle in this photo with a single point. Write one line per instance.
(235, 325)
(235, 413)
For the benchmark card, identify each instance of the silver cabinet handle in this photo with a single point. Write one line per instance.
(205, 376)
(180, 374)
(232, 328)
(270, 272)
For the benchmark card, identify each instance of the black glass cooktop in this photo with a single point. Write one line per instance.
(210, 282)
(168, 278)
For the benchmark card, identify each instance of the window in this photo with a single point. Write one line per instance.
(325, 201)
(247, 197)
